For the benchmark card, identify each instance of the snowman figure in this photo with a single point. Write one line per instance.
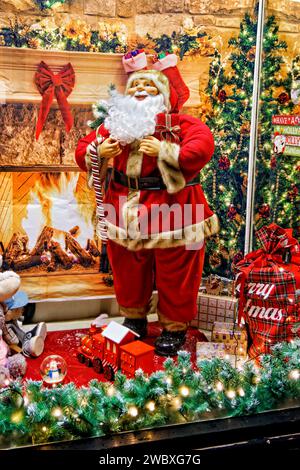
(279, 143)
(53, 373)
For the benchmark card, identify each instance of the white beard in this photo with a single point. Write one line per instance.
(130, 119)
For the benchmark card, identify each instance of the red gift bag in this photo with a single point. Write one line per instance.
(267, 282)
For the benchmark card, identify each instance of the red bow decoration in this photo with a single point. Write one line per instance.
(59, 85)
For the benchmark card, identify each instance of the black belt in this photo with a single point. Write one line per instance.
(143, 183)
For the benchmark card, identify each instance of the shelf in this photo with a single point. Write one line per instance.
(94, 72)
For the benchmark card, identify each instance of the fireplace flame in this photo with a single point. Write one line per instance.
(58, 200)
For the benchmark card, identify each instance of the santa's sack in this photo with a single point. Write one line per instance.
(268, 286)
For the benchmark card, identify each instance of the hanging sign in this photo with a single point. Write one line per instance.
(286, 135)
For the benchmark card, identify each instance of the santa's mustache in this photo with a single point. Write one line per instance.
(141, 93)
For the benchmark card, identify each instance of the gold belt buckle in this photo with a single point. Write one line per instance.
(136, 181)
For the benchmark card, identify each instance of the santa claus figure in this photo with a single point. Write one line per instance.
(156, 215)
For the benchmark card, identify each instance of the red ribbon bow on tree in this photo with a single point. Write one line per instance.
(59, 85)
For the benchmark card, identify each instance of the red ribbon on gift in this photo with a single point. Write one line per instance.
(59, 85)
(274, 240)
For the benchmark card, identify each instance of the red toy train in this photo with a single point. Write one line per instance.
(113, 347)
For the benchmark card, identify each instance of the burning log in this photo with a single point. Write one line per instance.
(51, 265)
(74, 231)
(26, 262)
(84, 257)
(43, 241)
(60, 255)
(92, 248)
(16, 247)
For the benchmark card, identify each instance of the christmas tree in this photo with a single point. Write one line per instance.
(277, 181)
(224, 180)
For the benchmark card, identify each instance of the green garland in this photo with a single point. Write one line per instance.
(77, 35)
(48, 4)
(178, 394)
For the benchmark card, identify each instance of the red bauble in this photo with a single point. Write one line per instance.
(273, 162)
(264, 211)
(222, 96)
(293, 193)
(232, 212)
(237, 257)
(283, 98)
(224, 162)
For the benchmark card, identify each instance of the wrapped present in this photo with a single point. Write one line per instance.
(209, 351)
(211, 308)
(268, 283)
(206, 350)
(233, 337)
(217, 285)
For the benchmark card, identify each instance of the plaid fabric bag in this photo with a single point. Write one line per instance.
(268, 284)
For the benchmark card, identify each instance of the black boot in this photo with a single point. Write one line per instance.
(169, 342)
(139, 326)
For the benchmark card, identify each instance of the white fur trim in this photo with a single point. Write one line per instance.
(160, 80)
(135, 63)
(135, 160)
(169, 61)
(130, 214)
(168, 165)
(130, 208)
(196, 233)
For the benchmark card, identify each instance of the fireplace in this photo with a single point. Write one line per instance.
(49, 227)
(47, 213)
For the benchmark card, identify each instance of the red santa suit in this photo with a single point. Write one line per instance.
(159, 231)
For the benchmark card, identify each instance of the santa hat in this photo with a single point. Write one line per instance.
(163, 72)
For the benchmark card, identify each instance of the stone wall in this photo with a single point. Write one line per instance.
(140, 16)
(163, 16)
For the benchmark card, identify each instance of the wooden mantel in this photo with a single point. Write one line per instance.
(94, 72)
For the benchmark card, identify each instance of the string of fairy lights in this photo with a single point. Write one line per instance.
(181, 392)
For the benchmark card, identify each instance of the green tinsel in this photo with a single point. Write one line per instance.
(31, 414)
